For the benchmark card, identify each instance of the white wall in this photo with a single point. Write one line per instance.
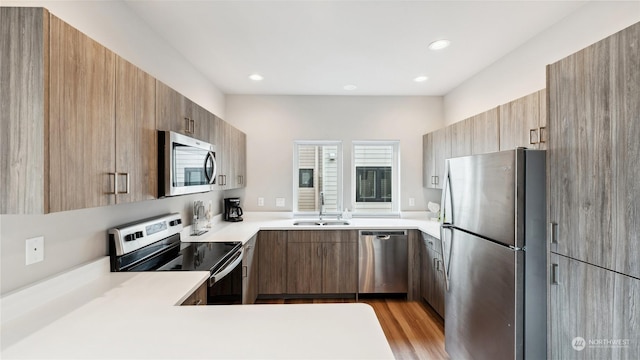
(114, 25)
(272, 123)
(523, 71)
(76, 237)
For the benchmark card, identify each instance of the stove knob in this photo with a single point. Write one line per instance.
(175, 222)
(130, 237)
(139, 234)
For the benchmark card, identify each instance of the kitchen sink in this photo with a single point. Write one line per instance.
(320, 223)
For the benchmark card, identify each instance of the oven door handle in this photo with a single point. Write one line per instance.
(228, 267)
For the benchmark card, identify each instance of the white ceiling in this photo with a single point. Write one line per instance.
(318, 47)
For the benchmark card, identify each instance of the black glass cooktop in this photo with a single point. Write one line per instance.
(201, 256)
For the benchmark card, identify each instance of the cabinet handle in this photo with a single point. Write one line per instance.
(193, 126)
(543, 130)
(553, 233)
(126, 189)
(318, 251)
(554, 274)
(115, 183)
(197, 302)
(533, 136)
(437, 178)
(188, 123)
(244, 271)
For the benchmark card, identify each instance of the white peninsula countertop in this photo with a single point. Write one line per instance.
(91, 313)
(135, 316)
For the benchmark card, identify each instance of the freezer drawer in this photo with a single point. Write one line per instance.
(383, 262)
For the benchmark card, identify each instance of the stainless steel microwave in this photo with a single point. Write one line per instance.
(185, 165)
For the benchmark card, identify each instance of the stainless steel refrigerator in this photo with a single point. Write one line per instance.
(494, 247)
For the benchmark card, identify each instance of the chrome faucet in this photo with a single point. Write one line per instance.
(321, 204)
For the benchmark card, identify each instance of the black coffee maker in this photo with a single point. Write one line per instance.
(232, 209)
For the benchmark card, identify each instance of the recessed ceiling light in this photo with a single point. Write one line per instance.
(421, 78)
(439, 44)
(255, 77)
(350, 87)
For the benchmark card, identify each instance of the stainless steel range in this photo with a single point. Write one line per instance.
(154, 245)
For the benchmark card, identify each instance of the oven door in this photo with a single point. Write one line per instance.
(187, 165)
(225, 284)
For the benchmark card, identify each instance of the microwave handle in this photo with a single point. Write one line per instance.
(211, 157)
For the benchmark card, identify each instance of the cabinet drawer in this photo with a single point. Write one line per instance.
(323, 236)
(432, 243)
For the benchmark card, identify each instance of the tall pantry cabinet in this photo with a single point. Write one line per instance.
(594, 200)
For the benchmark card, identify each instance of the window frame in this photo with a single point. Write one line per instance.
(395, 178)
(339, 181)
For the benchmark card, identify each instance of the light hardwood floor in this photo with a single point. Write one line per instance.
(412, 328)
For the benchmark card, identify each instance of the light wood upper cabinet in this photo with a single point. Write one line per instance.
(436, 149)
(523, 122)
(81, 120)
(231, 145)
(136, 140)
(593, 153)
(485, 129)
(24, 119)
(170, 110)
(461, 138)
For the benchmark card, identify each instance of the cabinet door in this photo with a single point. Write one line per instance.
(136, 140)
(240, 158)
(439, 283)
(519, 120)
(485, 132)
(223, 153)
(543, 133)
(441, 152)
(170, 110)
(340, 263)
(272, 262)
(197, 119)
(625, 106)
(460, 137)
(340, 268)
(24, 46)
(249, 273)
(198, 297)
(304, 267)
(590, 306)
(593, 153)
(428, 166)
(81, 123)
(427, 276)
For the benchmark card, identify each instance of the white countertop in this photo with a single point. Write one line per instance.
(134, 316)
(91, 313)
(256, 221)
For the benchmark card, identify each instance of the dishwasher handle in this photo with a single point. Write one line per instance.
(383, 235)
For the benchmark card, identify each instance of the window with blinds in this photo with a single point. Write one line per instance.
(375, 177)
(317, 171)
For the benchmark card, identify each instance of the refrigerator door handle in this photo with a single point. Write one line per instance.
(446, 214)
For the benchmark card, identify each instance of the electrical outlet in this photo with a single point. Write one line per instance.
(280, 202)
(260, 201)
(34, 250)
(412, 202)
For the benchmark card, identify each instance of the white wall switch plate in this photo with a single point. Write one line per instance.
(260, 201)
(412, 202)
(34, 250)
(280, 202)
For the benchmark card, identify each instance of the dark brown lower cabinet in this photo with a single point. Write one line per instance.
(198, 297)
(322, 262)
(432, 277)
(595, 313)
(272, 262)
(250, 272)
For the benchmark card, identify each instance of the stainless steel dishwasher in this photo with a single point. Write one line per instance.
(383, 262)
